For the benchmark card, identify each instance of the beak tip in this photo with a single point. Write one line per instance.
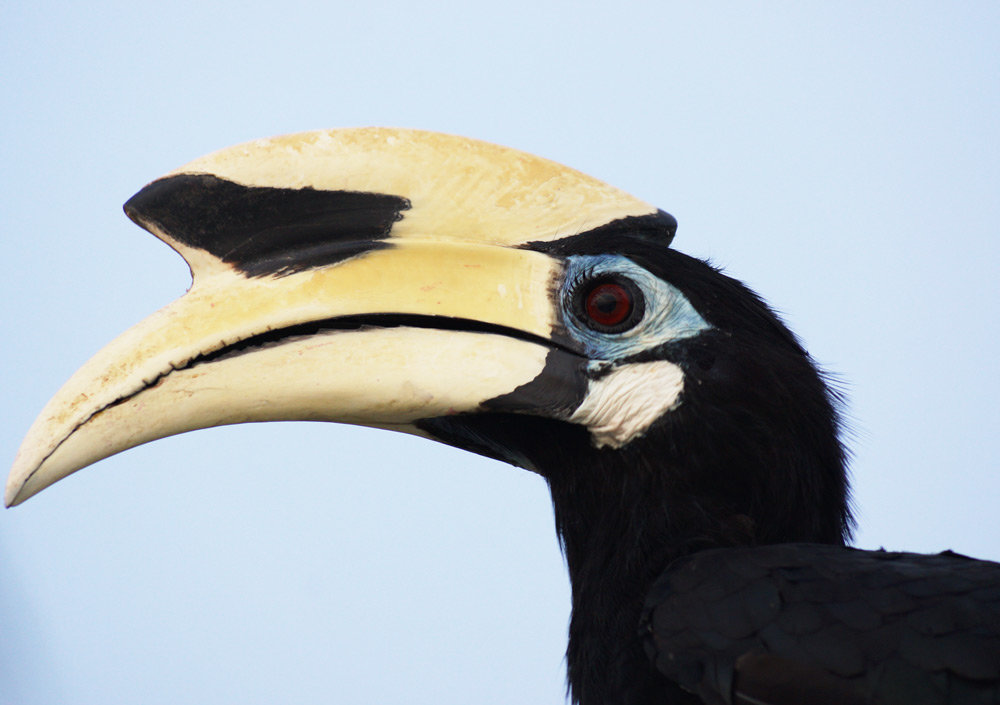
(18, 492)
(17, 489)
(10, 497)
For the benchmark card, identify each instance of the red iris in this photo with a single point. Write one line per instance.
(608, 304)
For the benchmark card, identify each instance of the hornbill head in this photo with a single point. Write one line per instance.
(494, 301)
(466, 292)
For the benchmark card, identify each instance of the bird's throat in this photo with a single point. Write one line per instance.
(616, 543)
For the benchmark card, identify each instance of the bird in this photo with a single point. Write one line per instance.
(507, 305)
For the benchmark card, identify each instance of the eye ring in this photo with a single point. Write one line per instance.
(608, 304)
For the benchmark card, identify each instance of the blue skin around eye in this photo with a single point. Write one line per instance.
(668, 314)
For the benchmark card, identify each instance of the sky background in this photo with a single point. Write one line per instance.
(841, 158)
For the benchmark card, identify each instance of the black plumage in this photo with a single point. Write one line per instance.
(748, 470)
(821, 624)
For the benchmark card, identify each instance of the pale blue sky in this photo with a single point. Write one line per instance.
(841, 158)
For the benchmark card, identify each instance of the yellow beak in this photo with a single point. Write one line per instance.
(434, 314)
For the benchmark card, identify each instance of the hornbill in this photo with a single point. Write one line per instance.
(513, 307)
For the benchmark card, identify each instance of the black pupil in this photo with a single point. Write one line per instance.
(606, 302)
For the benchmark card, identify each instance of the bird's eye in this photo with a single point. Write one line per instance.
(609, 304)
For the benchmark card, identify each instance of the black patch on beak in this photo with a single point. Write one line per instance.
(656, 228)
(263, 230)
(555, 393)
(519, 427)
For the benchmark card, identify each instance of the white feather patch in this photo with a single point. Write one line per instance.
(621, 405)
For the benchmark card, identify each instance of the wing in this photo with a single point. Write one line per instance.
(809, 623)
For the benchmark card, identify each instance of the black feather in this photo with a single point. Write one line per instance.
(751, 459)
(809, 623)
